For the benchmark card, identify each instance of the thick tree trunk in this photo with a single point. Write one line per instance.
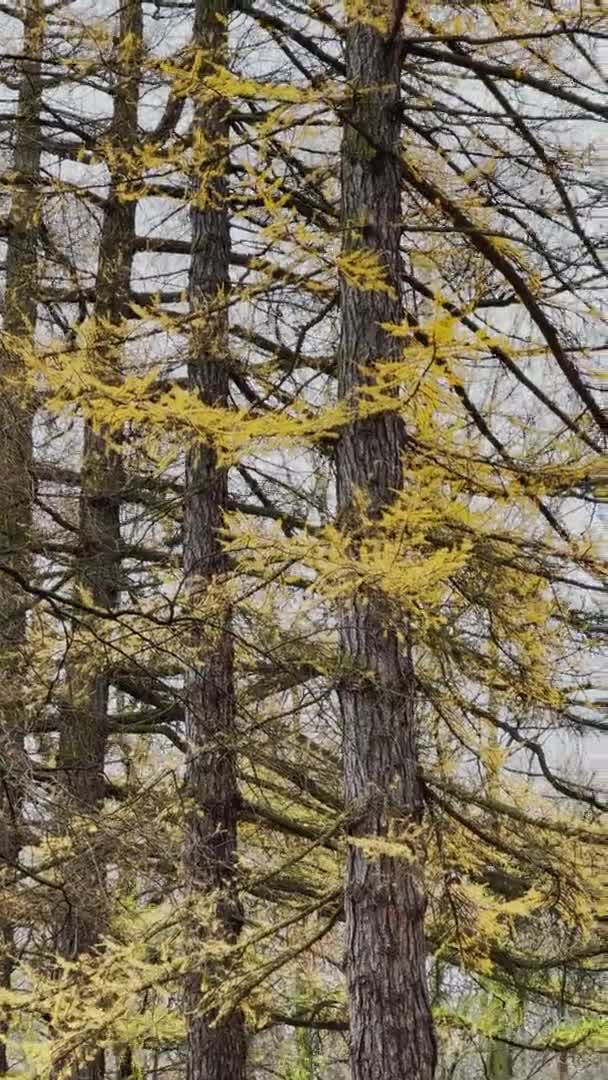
(216, 1049)
(84, 735)
(390, 1019)
(15, 468)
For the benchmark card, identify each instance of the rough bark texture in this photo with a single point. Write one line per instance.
(390, 1020)
(15, 468)
(84, 735)
(216, 1050)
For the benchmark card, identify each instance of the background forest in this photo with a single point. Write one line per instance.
(302, 579)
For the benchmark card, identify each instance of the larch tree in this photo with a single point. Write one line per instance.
(84, 733)
(81, 757)
(391, 1028)
(215, 1049)
(19, 324)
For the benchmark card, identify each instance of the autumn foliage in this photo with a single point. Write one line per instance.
(301, 571)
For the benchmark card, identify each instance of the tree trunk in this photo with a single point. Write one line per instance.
(563, 1071)
(216, 1048)
(391, 1026)
(84, 735)
(499, 1064)
(15, 468)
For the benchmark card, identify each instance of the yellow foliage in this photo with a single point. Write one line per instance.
(362, 270)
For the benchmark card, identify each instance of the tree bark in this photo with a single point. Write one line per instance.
(216, 1048)
(84, 736)
(391, 1026)
(16, 469)
(563, 1071)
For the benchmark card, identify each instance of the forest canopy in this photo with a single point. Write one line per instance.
(302, 566)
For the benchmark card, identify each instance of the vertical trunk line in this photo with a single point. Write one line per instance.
(499, 1064)
(391, 1026)
(83, 737)
(563, 1071)
(15, 469)
(216, 1048)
